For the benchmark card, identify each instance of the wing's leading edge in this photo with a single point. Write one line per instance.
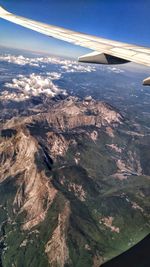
(105, 51)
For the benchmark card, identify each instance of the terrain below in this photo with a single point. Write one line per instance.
(74, 184)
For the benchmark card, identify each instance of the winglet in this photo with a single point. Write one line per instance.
(146, 81)
(3, 12)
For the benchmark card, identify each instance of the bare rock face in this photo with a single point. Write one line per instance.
(58, 145)
(56, 248)
(73, 113)
(35, 192)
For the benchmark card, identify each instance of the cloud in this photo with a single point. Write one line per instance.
(25, 87)
(115, 70)
(74, 67)
(19, 60)
(54, 75)
(66, 65)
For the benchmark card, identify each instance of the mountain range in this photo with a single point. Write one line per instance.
(74, 183)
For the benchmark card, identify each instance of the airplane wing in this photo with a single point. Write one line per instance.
(105, 51)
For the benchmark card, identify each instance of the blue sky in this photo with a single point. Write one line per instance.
(123, 20)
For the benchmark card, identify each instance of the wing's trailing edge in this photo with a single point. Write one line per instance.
(105, 51)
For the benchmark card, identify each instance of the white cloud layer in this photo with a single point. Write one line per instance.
(66, 65)
(19, 60)
(33, 85)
